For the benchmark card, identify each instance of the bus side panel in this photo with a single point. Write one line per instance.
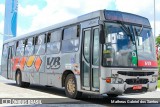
(17, 63)
(25, 76)
(50, 79)
(14, 68)
(4, 67)
(38, 67)
(43, 78)
(57, 80)
(70, 62)
(78, 79)
(77, 69)
(53, 70)
(4, 59)
(34, 78)
(28, 68)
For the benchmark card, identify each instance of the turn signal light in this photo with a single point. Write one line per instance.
(108, 80)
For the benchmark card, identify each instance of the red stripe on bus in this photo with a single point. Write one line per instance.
(22, 63)
(15, 63)
(147, 63)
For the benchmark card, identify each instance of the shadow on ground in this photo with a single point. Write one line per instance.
(85, 99)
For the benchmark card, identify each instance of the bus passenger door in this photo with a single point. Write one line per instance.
(90, 59)
(9, 63)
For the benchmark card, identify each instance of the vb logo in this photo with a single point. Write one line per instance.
(53, 62)
(148, 63)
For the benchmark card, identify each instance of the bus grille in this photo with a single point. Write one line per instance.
(128, 73)
(136, 81)
(130, 90)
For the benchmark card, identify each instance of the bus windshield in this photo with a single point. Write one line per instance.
(121, 49)
(145, 44)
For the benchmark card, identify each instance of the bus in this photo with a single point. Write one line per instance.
(102, 52)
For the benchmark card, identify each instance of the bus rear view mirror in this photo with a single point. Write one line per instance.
(101, 34)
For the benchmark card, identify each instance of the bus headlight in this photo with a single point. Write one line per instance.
(117, 80)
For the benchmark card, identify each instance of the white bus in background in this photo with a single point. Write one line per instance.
(102, 52)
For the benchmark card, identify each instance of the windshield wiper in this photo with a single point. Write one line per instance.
(139, 33)
(127, 31)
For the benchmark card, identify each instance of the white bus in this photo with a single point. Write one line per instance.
(102, 52)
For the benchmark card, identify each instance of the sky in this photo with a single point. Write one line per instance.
(36, 14)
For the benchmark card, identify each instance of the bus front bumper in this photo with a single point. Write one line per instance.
(120, 89)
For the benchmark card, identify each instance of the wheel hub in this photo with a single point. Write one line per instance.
(71, 86)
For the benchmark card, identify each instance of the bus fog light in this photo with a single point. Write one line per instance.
(113, 89)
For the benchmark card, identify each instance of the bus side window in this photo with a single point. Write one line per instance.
(21, 43)
(70, 42)
(40, 44)
(4, 57)
(30, 41)
(5, 51)
(53, 42)
(41, 39)
(20, 48)
(29, 48)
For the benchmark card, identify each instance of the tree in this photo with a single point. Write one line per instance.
(158, 40)
(158, 45)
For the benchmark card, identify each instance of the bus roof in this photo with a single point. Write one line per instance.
(103, 14)
(126, 17)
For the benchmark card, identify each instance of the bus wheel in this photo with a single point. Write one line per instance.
(112, 95)
(19, 81)
(26, 84)
(71, 87)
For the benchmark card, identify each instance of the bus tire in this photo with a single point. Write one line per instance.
(26, 84)
(112, 95)
(71, 87)
(48, 86)
(19, 81)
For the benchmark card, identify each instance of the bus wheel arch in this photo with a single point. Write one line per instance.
(70, 83)
(18, 78)
(64, 76)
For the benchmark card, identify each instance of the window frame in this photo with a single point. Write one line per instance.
(77, 37)
(49, 35)
(20, 47)
(26, 45)
(90, 31)
(6, 56)
(36, 40)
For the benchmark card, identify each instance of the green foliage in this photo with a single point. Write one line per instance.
(158, 83)
(158, 44)
(159, 69)
(158, 40)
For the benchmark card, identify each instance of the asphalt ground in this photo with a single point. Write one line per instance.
(54, 97)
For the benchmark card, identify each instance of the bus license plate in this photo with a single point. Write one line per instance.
(137, 87)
